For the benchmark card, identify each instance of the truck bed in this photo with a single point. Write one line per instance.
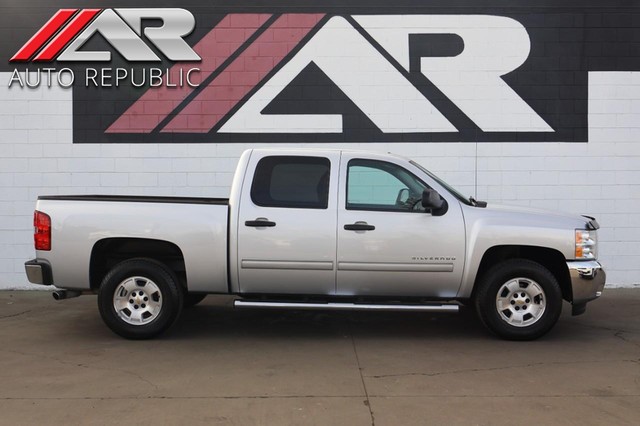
(197, 227)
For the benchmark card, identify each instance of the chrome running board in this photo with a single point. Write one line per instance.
(434, 307)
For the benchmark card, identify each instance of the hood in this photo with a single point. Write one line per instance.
(549, 217)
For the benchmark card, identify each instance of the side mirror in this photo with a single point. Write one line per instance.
(433, 202)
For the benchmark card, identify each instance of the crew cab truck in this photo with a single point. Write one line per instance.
(318, 229)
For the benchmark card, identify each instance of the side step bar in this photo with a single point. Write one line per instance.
(452, 308)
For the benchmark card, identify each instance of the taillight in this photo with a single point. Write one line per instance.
(41, 231)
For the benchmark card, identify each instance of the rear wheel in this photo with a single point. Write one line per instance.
(519, 300)
(139, 298)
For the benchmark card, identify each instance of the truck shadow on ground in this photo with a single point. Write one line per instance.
(217, 322)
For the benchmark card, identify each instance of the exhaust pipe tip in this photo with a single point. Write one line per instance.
(65, 294)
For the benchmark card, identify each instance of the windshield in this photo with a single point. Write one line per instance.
(448, 187)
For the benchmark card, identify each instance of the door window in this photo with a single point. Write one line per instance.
(291, 181)
(379, 185)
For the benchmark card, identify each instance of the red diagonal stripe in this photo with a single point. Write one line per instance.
(245, 72)
(66, 35)
(43, 35)
(214, 49)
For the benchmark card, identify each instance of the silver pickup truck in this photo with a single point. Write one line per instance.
(318, 229)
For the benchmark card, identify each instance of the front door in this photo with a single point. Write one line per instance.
(287, 224)
(387, 243)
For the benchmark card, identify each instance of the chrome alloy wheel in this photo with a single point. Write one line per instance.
(520, 302)
(137, 300)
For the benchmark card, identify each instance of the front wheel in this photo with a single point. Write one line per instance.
(519, 299)
(140, 298)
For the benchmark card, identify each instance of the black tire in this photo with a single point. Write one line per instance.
(496, 303)
(155, 291)
(192, 299)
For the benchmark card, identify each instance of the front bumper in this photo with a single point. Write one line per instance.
(38, 272)
(587, 280)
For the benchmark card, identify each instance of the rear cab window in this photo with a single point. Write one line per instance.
(291, 182)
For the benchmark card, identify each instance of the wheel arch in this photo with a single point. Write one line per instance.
(108, 252)
(551, 259)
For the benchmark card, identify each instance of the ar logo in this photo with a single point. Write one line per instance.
(69, 29)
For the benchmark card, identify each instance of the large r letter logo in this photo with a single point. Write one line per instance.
(493, 46)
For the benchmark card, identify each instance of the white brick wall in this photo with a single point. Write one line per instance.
(601, 177)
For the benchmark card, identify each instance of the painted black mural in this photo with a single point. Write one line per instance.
(358, 72)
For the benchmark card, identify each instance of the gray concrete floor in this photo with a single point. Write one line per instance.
(60, 365)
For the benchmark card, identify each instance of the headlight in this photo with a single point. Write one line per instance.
(586, 244)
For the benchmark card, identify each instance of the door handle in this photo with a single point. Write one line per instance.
(260, 222)
(359, 226)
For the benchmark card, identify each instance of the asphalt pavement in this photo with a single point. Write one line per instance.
(59, 364)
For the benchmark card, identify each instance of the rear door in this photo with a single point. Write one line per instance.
(287, 224)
